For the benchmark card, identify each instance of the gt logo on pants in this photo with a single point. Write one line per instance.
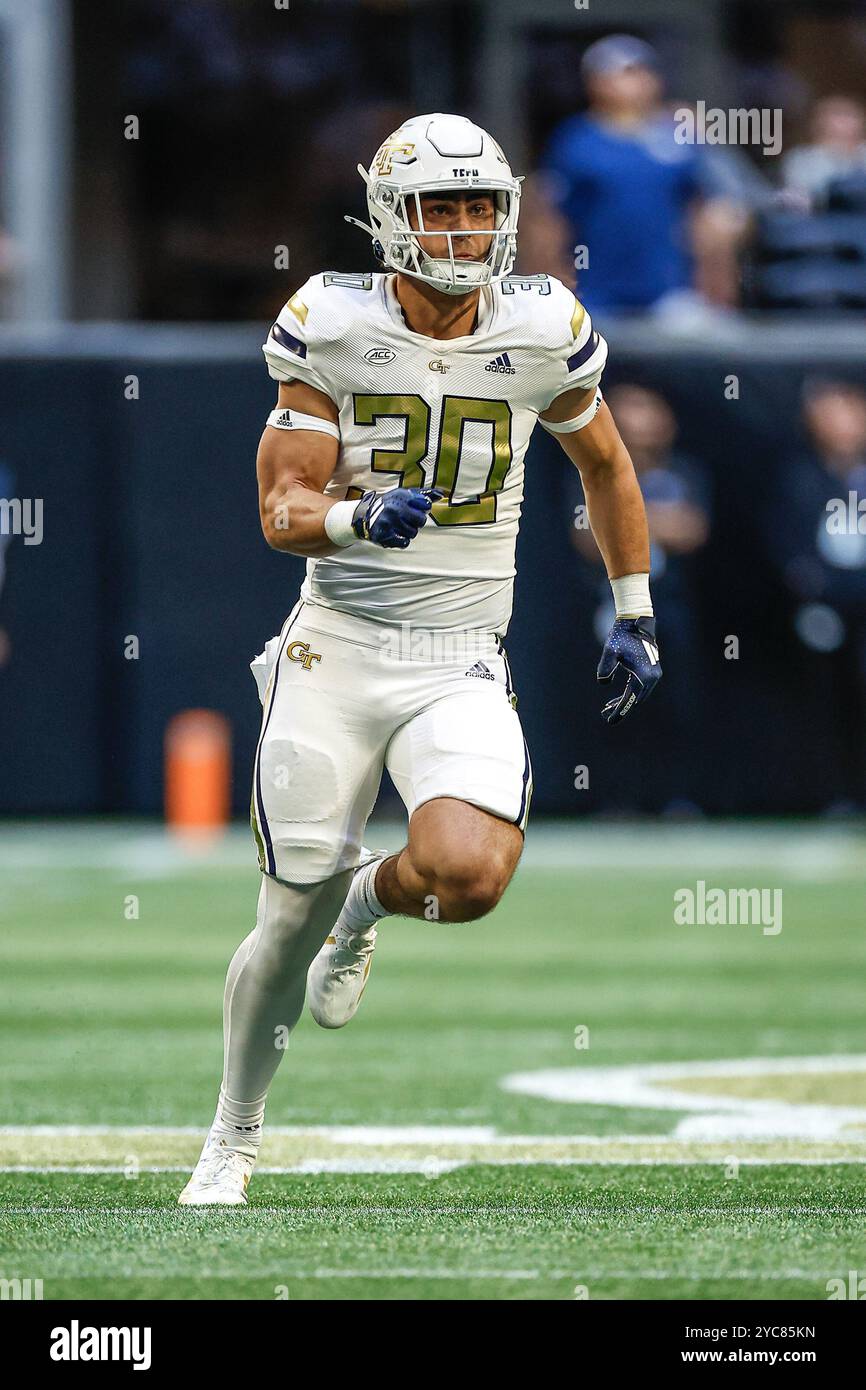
(300, 651)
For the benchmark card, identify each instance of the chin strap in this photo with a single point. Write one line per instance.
(455, 288)
(356, 222)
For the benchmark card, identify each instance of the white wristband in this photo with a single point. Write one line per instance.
(338, 523)
(631, 594)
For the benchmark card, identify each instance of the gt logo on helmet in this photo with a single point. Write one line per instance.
(391, 154)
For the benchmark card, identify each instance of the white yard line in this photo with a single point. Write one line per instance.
(431, 1150)
(718, 1129)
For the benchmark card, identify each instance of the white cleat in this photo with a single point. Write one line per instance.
(221, 1176)
(338, 976)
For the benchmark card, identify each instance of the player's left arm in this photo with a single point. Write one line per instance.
(617, 517)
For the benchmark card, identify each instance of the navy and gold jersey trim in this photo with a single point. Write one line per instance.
(583, 354)
(288, 340)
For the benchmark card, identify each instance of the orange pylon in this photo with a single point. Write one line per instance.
(197, 772)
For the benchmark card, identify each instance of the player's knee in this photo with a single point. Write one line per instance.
(280, 943)
(285, 943)
(469, 889)
(459, 882)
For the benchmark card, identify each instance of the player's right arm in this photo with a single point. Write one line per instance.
(300, 447)
(294, 466)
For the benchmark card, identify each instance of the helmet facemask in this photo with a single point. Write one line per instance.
(405, 251)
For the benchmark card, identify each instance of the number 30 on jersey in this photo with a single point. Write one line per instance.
(457, 412)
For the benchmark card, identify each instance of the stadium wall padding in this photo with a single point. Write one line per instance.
(151, 530)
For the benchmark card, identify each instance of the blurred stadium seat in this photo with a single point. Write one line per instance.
(813, 282)
(811, 260)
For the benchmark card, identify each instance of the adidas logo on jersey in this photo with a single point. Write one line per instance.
(501, 364)
(480, 670)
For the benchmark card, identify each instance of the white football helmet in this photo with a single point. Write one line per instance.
(435, 154)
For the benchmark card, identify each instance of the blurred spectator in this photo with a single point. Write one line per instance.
(822, 543)
(817, 533)
(677, 497)
(616, 182)
(837, 148)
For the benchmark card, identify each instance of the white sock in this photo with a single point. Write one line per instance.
(362, 908)
(239, 1120)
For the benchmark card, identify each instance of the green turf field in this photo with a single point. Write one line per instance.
(704, 1139)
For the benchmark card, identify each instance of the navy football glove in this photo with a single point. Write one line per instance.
(631, 643)
(394, 518)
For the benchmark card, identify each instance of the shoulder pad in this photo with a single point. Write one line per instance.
(320, 313)
(579, 350)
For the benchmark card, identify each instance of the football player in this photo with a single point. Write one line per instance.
(394, 462)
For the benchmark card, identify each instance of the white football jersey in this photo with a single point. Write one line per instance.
(418, 412)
